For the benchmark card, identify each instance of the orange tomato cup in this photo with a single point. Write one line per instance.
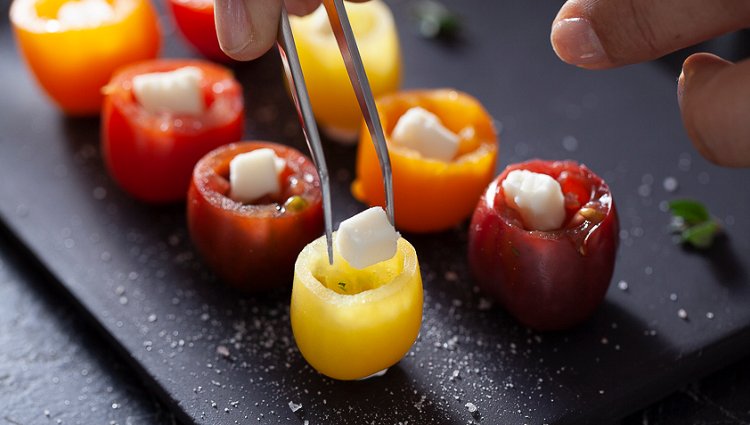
(430, 195)
(73, 46)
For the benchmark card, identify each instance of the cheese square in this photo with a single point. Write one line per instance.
(177, 91)
(255, 174)
(422, 131)
(366, 238)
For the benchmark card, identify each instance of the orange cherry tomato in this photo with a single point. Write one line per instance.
(152, 156)
(430, 195)
(253, 247)
(73, 56)
(195, 19)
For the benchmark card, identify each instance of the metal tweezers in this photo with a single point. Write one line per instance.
(342, 30)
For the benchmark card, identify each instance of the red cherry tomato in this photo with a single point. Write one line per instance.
(253, 247)
(548, 280)
(195, 19)
(152, 156)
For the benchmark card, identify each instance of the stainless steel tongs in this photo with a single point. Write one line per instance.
(342, 30)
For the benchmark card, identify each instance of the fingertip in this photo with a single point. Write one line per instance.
(246, 29)
(711, 92)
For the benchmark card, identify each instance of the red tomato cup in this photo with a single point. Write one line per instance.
(253, 247)
(548, 280)
(152, 155)
(195, 19)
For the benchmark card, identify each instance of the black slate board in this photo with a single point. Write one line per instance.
(133, 270)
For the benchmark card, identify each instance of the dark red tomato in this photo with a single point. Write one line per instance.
(152, 156)
(195, 19)
(253, 246)
(548, 280)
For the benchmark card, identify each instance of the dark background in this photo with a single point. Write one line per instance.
(57, 366)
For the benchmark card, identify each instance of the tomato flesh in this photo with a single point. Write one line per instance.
(547, 280)
(152, 156)
(195, 19)
(253, 246)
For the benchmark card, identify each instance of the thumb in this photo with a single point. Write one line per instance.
(714, 97)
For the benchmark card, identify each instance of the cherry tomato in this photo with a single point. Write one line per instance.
(548, 280)
(349, 323)
(195, 19)
(73, 57)
(430, 195)
(253, 246)
(152, 156)
(333, 100)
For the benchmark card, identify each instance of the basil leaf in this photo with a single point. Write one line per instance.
(701, 235)
(692, 212)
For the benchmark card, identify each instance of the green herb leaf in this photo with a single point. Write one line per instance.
(692, 212)
(434, 20)
(694, 223)
(701, 235)
(342, 285)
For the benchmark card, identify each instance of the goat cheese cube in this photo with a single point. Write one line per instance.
(537, 197)
(177, 91)
(85, 13)
(254, 174)
(366, 238)
(422, 131)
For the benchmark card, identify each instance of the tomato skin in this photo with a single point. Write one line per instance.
(195, 19)
(72, 65)
(334, 104)
(252, 247)
(151, 156)
(547, 280)
(430, 195)
(354, 335)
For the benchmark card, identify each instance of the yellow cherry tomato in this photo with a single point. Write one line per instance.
(74, 46)
(333, 100)
(349, 323)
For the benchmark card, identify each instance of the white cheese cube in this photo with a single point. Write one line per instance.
(422, 131)
(366, 238)
(85, 13)
(537, 197)
(254, 174)
(177, 91)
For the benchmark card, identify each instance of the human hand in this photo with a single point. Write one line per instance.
(247, 28)
(714, 94)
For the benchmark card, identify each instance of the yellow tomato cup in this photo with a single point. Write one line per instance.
(334, 104)
(430, 195)
(349, 323)
(73, 62)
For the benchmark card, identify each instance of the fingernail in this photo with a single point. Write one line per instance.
(576, 43)
(233, 25)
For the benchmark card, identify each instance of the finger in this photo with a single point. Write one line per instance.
(714, 98)
(246, 28)
(607, 33)
(302, 7)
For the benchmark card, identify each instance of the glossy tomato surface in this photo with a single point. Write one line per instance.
(351, 323)
(72, 62)
(333, 100)
(152, 156)
(253, 246)
(195, 19)
(430, 195)
(548, 280)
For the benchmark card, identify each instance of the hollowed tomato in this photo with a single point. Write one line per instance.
(554, 279)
